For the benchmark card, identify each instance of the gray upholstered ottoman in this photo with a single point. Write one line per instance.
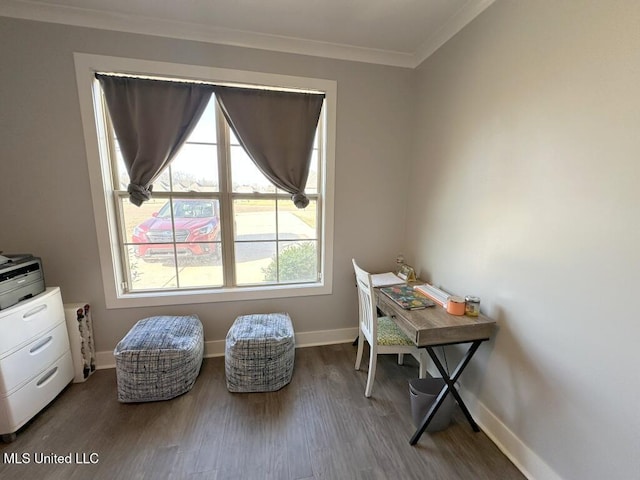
(259, 353)
(159, 358)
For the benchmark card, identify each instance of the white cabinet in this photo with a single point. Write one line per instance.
(35, 359)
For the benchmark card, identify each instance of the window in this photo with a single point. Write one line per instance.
(215, 227)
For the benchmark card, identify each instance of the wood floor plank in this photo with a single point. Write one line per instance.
(320, 426)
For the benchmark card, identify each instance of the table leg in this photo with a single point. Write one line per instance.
(449, 387)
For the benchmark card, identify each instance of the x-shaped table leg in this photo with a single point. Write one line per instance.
(449, 387)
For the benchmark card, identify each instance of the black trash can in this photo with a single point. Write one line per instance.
(423, 392)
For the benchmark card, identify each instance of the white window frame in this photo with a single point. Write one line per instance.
(100, 176)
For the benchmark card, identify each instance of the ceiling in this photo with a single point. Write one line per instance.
(390, 32)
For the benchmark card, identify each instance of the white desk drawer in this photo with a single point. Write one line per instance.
(31, 359)
(29, 319)
(18, 408)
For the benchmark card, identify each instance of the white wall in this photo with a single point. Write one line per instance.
(45, 202)
(524, 191)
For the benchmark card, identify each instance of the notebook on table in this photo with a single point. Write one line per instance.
(407, 297)
(385, 279)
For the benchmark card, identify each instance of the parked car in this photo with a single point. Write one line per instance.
(195, 221)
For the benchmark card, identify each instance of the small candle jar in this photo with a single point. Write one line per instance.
(471, 306)
(455, 305)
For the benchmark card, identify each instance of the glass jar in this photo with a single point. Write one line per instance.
(472, 306)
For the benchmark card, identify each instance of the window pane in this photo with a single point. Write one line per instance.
(138, 221)
(153, 227)
(152, 273)
(196, 222)
(254, 219)
(252, 258)
(161, 183)
(121, 170)
(295, 223)
(296, 262)
(245, 176)
(312, 179)
(205, 130)
(195, 169)
(201, 270)
(150, 231)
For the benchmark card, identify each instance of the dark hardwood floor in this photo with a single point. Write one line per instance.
(319, 426)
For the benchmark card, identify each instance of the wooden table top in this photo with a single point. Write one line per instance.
(434, 326)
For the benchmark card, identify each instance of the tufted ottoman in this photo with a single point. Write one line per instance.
(259, 353)
(159, 358)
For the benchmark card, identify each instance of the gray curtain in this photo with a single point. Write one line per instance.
(152, 119)
(277, 130)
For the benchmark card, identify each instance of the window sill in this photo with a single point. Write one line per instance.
(153, 299)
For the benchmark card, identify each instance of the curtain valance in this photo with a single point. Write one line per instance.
(153, 118)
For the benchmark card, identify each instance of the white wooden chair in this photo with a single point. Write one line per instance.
(382, 333)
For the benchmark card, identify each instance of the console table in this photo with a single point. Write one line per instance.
(433, 327)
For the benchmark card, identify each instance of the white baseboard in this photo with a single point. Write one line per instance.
(525, 459)
(215, 348)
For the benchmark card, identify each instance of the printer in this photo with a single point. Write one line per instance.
(21, 277)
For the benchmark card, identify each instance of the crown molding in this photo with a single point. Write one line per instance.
(457, 22)
(83, 17)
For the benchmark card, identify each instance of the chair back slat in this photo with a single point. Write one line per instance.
(366, 305)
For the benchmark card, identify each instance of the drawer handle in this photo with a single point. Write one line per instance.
(41, 344)
(35, 311)
(47, 377)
